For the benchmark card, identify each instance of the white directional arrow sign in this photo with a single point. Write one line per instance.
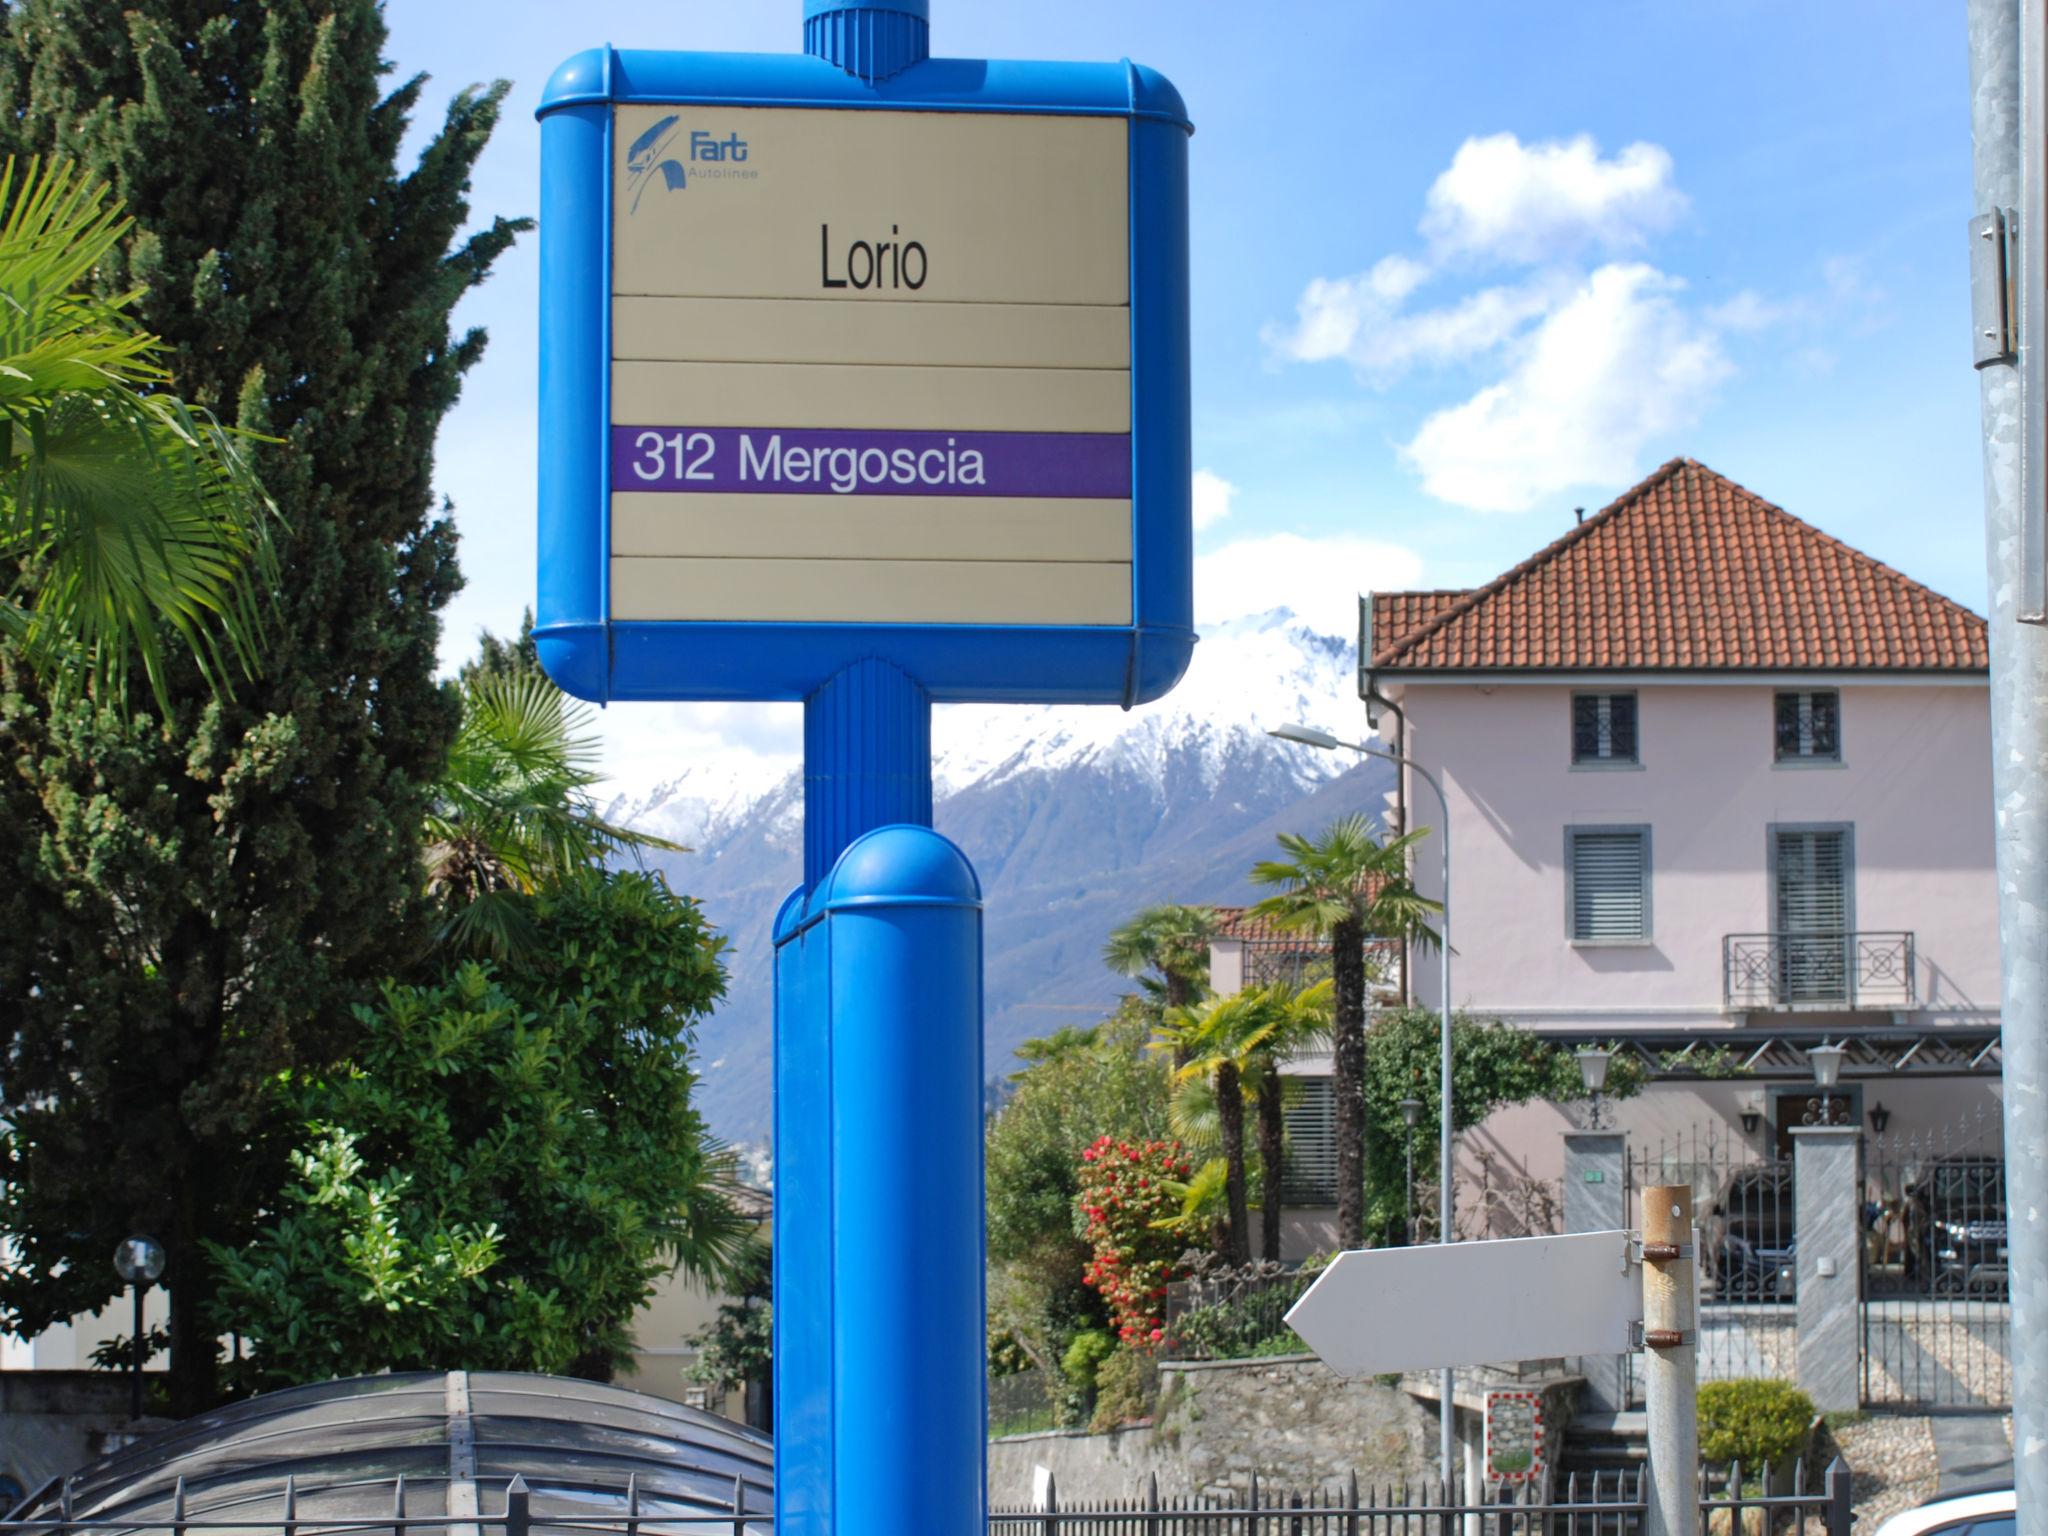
(1382, 1310)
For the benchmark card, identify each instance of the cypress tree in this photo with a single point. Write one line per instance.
(194, 898)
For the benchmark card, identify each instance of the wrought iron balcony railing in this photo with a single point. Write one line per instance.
(1793, 971)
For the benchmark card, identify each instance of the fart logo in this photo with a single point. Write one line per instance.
(665, 153)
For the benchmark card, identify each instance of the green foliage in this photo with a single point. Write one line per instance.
(1346, 885)
(1346, 874)
(197, 893)
(509, 1164)
(1753, 1421)
(1126, 1386)
(1715, 1061)
(502, 658)
(123, 512)
(1084, 1356)
(1492, 1065)
(1079, 1085)
(512, 809)
(1171, 940)
(1234, 1313)
(738, 1346)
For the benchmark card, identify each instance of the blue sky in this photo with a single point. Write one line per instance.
(1457, 270)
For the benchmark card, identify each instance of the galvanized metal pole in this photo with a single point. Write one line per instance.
(1447, 1202)
(1670, 1364)
(2019, 737)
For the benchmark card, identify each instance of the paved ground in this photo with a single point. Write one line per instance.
(1970, 1448)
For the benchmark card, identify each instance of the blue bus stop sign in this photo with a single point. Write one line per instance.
(864, 381)
(836, 368)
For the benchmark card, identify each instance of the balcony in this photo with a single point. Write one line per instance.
(1817, 972)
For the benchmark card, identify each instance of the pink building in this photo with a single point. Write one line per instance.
(1719, 790)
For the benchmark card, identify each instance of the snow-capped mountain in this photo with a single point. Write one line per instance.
(1075, 817)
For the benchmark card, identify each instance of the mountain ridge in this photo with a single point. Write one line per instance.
(1075, 817)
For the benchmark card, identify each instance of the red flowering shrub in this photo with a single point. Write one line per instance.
(1123, 1191)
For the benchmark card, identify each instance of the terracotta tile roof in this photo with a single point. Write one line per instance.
(1686, 571)
(1397, 614)
(1243, 923)
(1247, 924)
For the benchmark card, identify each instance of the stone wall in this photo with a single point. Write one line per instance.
(1290, 1419)
(53, 1422)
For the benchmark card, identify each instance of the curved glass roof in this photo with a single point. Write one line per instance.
(448, 1444)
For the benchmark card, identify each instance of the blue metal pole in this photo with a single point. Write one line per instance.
(881, 1397)
(870, 39)
(880, 1308)
(867, 760)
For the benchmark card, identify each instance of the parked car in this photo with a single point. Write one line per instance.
(1750, 1239)
(1964, 1512)
(1959, 1205)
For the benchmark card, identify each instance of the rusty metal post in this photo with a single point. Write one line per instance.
(1670, 1363)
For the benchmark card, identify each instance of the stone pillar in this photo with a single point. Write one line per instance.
(1595, 1200)
(1829, 1277)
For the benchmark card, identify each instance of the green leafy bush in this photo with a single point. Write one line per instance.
(507, 1164)
(1753, 1421)
(1126, 1384)
(1090, 1348)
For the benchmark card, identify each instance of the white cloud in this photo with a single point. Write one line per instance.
(1504, 200)
(1319, 579)
(1356, 319)
(646, 744)
(1618, 365)
(1213, 496)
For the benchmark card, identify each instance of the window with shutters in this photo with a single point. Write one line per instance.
(1604, 729)
(1811, 899)
(1309, 1168)
(1809, 727)
(1607, 879)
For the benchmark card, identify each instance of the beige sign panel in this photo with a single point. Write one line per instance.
(777, 203)
(870, 367)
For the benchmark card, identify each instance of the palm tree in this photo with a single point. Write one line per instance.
(1172, 940)
(1218, 1038)
(512, 811)
(124, 513)
(1346, 885)
(1300, 1019)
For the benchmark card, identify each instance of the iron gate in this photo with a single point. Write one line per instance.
(1742, 1201)
(1936, 1306)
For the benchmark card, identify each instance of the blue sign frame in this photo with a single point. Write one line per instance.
(594, 657)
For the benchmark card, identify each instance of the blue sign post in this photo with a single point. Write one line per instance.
(864, 381)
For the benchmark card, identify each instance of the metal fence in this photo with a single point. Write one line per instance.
(1024, 1402)
(1234, 1314)
(1605, 1504)
(1748, 1322)
(1610, 1504)
(1937, 1323)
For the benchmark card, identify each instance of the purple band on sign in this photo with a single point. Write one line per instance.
(835, 462)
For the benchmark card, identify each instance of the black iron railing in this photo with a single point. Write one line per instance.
(1608, 1505)
(1817, 970)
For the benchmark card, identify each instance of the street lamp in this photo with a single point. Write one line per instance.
(138, 1261)
(1411, 1111)
(1593, 1073)
(1826, 1061)
(1309, 736)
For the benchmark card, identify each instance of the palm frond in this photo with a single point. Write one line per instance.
(130, 515)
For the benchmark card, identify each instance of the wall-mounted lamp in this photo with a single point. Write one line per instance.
(1593, 1073)
(1751, 1116)
(1880, 1117)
